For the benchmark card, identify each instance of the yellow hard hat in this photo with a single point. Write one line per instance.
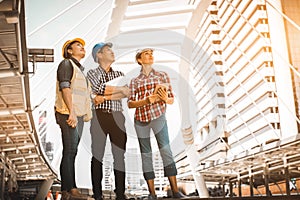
(67, 44)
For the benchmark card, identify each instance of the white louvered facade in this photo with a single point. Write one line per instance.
(245, 97)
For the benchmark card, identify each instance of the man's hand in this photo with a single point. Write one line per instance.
(125, 90)
(98, 100)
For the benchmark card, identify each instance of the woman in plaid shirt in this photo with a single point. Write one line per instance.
(150, 91)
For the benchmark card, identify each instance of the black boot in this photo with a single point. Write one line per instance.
(97, 175)
(120, 184)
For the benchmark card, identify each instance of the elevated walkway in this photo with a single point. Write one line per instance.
(21, 157)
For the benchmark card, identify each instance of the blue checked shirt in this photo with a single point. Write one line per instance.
(98, 78)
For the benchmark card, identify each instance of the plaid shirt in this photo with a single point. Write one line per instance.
(141, 87)
(98, 78)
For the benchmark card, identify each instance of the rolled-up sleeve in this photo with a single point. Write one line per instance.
(167, 80)
(64, 74)
(132, 96)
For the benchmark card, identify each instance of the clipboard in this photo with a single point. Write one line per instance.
(164, 86)
(119, 81)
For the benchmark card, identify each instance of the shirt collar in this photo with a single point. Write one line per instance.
(102, 70)
(77, 63)
(151, 72)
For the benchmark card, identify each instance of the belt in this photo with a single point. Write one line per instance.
(106, 110)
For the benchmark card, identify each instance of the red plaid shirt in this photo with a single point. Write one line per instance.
(143, 86)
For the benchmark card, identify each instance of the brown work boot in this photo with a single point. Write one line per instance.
(65, 195)
(75, 194)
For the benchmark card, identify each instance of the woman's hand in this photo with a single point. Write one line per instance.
(162, 94)
(152, 98)
(72, 120)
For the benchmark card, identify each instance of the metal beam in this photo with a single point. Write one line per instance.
(117, 18)
(6, 59)
(159, 12)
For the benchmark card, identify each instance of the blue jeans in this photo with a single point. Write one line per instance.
(160, 130)
(70, 139)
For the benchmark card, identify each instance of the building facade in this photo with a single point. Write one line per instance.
(245, 78)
